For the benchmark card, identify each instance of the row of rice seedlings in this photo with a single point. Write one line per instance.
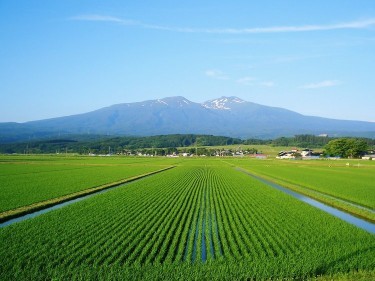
(93, 241)
(180, 246)
(169, 248)
(348, 183)
(131, 224)
(215, 238)
(281, 236)
(250, 240)
(271, 245)
(23, 189)
(275, 236)
(157, 246)
(207, 226)
(260, 232)
(231, 233)
(191, 243)
(153, 219)
(221, 222)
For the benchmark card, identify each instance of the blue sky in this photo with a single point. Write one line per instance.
(66, 57)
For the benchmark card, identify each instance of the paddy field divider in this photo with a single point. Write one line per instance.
(329, 200)
(24, 210)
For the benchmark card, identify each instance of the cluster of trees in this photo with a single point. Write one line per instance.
(178, 140)
(310, 141)
(346, 147)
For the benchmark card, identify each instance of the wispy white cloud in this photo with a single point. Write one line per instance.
(103, 19)
(358, 24)
(293, 58)
(248, 80)
(322, 84)
(216, 74)
(252, 81)
(268, 84)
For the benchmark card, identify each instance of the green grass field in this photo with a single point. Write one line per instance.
(202, 220)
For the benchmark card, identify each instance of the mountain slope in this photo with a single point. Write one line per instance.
(229, 116)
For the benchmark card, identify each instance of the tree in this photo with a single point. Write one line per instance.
(346, 147)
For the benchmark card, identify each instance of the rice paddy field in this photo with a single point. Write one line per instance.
(201, 220)
(346, 184)
(28, 180)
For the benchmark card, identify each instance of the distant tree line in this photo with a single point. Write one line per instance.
(168, 144)
(309, 141)
(105, 145)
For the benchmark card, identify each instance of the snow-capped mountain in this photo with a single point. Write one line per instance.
(228, 116)
(223, 103)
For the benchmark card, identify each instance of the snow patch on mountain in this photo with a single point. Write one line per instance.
(223, 103)
(162, 102)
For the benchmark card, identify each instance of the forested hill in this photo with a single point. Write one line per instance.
(103, 144)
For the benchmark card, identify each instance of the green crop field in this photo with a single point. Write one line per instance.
(27, 180)
(351, 181)
(201, 220)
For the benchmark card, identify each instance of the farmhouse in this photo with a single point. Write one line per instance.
(286, 155)
(369, 157)
(294, 153)
(306, 152)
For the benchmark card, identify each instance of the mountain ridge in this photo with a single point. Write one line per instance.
(229, 116)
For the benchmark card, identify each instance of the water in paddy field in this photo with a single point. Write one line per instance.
(66, 203)
(206, 218)
(368, 226)
(54, 207)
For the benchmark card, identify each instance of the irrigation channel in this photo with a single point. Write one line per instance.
(34, 214)
(365, 225)
(206, 215)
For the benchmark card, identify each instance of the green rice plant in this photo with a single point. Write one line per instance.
(25, 184)
(158, 228)
(349, 188)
